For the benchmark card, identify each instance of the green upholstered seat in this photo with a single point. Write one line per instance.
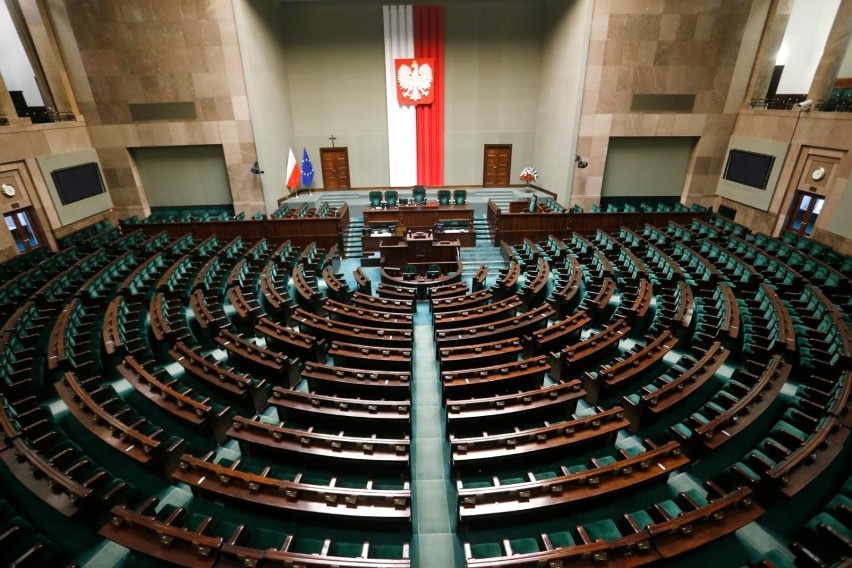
(669, 508)
(375, 199)
(392, 197)
(460, 196)
(697, 496)
(683, 430)
(385, 551)
(642, 518)
(346, 549)
(830, 521)
(577, 468)
(561, 539)
(605, 529)
(444, 196)
(606, 460)
(486, 550)
(524, 546)
(419, 194)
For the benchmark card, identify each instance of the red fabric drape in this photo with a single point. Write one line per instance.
(429, 42)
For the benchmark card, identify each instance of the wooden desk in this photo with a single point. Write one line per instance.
(275, 365)
(329, 446)
(748, 408)
(477, 412)
(691, 529)
(335, 330)
(144, 533)
(593, 346)
(396, 305)
(283, 494)
(333, 408)
(300, 345)
(556, 336)
(338, 379)
(373, 318)
(371, 357)
(516, 326)
(523, 443)
(632, 364)
(524, 374)
(472, 300)
(471, 356)
(490, 503)
(477, 315)
(420, 216)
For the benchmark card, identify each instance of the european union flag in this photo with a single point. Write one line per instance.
(307, 169)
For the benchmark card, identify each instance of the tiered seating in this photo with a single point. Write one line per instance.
(545, 375)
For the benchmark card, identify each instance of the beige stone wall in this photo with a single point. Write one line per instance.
(662, 47)
(160, 51)
(20, 146)
(817, 139)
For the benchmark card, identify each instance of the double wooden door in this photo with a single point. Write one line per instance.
(335, 168)
(804, 212)
(497, 165)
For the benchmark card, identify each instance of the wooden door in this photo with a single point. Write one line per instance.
(804, 212)
(25, 230)
(335, 168)
(497, 165)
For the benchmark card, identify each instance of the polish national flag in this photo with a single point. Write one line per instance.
(294, 174)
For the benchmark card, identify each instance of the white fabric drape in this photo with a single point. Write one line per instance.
(402, 124)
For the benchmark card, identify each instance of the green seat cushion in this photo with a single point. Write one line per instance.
(385, 551)
(697, 496)
(308, 545)
(829, 520)
(605, 529)
(642, 518)
(752, 475)
(606, 460)
(670, 508)
(486, 550)
(346, 549)
(524, 546)
(577, 468)
(562, 539)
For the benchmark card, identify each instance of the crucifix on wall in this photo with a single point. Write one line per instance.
(332, 138)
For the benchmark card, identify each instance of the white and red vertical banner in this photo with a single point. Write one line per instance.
(414, 68)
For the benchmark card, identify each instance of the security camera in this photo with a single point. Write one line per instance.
(581, 163)
(255, 169)
(806, 105)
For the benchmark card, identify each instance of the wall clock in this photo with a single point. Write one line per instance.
(8, 190)
(818, 174)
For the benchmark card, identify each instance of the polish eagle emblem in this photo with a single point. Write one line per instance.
(414, 80)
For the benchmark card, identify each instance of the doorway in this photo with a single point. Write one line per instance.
(335, 168)
(805, 210)
(24, 229)
(497, 165)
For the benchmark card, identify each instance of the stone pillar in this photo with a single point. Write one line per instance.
(833, 54)
(776, 20)
(44, 42)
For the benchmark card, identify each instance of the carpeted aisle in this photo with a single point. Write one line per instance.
(434, 543)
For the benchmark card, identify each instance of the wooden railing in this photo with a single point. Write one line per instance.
(324, 231)
(514, 227)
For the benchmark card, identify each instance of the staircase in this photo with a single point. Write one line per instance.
(484, 233)
(352, 239)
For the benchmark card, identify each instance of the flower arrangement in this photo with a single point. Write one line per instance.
(528, 175)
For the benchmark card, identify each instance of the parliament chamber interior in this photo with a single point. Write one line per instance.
(473, 283)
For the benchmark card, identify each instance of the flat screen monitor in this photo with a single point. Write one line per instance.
(749, 168)
(78, 182)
